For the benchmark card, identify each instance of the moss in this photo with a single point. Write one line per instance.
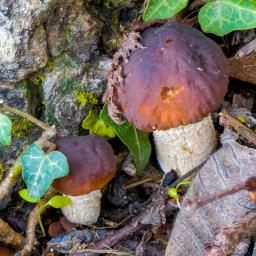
(68, 34)
(87, 98)
(21, 127)
(37, 79)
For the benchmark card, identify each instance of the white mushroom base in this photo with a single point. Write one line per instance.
(84, 209)
(185, 147)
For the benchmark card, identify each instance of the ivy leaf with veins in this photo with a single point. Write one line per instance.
(224, 16)
(5, 130)
(163, 9)
(40, 169)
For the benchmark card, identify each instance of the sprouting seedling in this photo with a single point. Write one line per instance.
(174, 193)
(57, 201)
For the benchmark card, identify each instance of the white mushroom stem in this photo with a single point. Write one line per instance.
(84, 209)
(185, 147)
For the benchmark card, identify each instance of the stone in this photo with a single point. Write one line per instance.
(70, 89)
(29, 28)
(74, 31)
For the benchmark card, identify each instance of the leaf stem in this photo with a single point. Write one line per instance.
(32, 119)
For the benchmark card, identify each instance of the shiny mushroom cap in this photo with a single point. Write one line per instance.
(178, 78)
(91, 161)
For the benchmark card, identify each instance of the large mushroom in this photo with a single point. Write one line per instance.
(169, 87)
(92, 165)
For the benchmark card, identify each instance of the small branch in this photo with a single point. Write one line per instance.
(112, 240)
(226, 240)
(230, 122)
(105, 251)
(31, 226)
(9, 180)
(9, 236)
(27, 116)
(249, 184)
(139, 183)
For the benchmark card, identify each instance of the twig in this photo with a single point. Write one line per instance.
(153, 215)
(9, 180)
(136, 184)
(105, 251)
(111, 240)
(31, 226)
(9, 236)
(25, 115)
(230, 122)
(226, 240)
(185, 176)
(246, 50)
(249, 184)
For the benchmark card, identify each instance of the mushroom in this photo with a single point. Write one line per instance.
(92, 165)
(169, 87)
(6, 251)
(60, 227)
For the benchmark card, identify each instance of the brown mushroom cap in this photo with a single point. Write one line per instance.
(56, 229)
(91, 162)
(178, 78)
(6, 251)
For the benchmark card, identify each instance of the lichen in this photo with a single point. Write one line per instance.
(21, 127)
(86, 98)
(66, 60)
(68, 85)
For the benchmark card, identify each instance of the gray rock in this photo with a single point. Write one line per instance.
(24, 40)
(70, 90)
(73, 31)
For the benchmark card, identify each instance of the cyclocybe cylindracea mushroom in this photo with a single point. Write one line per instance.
(169, 83)
(92, 165)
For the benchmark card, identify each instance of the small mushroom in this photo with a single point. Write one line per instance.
(92, 165)
(56, 229)
(6, 251)
(60, 227)
(169, 87)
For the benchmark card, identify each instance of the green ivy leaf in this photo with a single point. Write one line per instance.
(40, 169)
(224, 16)
(163, 9)
(5, 130)
(24, 195)
(173, 192)
(136, 141)
(59, 201)
(97, 126)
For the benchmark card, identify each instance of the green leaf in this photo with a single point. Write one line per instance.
(59, 201)
(137, 141)
(183, 182)
(163, 9)
(241, 119)
(24, 195)
(40, 169)
(97, 126)
(5, 130)
(173, 192)
(224, 16)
